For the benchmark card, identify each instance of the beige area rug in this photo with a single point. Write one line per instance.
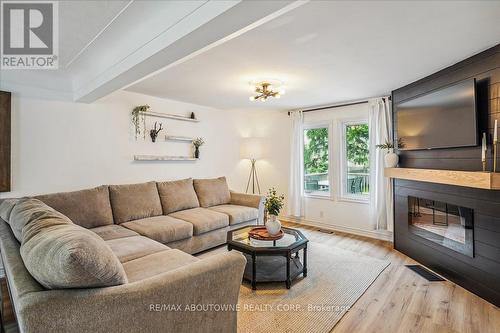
(335, 280)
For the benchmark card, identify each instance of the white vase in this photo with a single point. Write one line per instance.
(391, 159)
(273, 225)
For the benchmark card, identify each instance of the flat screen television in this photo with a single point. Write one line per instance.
(444, 118)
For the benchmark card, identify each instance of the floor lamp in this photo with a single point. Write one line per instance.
(251, 150)
(253, 177)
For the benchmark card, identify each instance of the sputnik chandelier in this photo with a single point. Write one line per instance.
(266, 89)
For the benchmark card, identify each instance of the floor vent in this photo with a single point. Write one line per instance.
(425, 273)
(325, 231)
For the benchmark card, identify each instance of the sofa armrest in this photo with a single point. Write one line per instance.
(199, 297)
(250, 200)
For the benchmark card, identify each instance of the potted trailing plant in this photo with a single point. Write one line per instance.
(274, 203)
(391, 159)
(197, 143)
(138, 119)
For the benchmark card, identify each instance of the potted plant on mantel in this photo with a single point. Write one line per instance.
(391, 159)
(273, 205)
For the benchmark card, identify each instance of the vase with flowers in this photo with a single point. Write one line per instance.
(391, 159)
(197, 143)
(274, 203)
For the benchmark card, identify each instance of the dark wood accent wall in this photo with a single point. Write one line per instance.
(480, 274)
(5, 141)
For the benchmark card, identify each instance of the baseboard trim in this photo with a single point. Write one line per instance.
(382, 235)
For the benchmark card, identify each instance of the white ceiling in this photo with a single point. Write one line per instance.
(80, 22)
(333, 51)
(107, 45)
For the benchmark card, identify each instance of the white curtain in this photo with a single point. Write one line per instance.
(381, 192)
(296, 140)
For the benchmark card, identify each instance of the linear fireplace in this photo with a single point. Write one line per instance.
(448, 225)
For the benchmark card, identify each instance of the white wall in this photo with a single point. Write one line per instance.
(64, 146)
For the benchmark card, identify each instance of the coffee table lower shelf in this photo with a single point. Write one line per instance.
(272, 269)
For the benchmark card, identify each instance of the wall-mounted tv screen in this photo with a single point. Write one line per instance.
(444, 118)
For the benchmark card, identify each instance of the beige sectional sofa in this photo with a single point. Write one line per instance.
(118, 258)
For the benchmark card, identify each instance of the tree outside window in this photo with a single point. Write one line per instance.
(357, 180)
(316, 161)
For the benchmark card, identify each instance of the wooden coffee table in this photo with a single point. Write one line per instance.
(271, 261)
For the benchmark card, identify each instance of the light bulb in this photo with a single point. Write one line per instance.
(277, 96)
(263, 99)
(282, 91)
(252, 98)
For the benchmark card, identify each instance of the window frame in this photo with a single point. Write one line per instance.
(342, 188)
(319, 195)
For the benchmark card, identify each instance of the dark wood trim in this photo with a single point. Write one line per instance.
(5, 140)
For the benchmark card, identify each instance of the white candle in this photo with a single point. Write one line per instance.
(495, 132)
(483, 150)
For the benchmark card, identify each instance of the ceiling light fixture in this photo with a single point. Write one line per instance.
(265, 90)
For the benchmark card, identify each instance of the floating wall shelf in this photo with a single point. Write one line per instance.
(178, 138)
(169, 116)
(163, 158)
(474, 179)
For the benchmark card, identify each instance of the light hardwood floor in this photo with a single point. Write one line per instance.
(401, 301)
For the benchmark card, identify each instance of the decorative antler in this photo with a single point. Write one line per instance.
(154, 132)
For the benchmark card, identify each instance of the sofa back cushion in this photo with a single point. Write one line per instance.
(134, 201)
(212, 192)
(6, 207)
(27, 210)
(88, 208)
(177, 195)
(59, 255)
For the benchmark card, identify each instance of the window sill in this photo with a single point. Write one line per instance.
(318, 196)
(355, 199)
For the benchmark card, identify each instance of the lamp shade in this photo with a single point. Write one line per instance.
(251, 148)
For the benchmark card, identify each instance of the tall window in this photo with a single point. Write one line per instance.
(355, 177)
(316, 161)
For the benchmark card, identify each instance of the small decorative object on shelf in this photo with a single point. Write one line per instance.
(138, 119)
(495, 143)
(197, 143)
(154, 132)
(391, 159)
(274, 203)
(483, 152)
(193, 116)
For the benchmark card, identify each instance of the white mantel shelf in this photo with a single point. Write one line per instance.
(474, 179)
(163, 158)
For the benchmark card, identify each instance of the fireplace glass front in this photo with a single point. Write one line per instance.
(448, 225)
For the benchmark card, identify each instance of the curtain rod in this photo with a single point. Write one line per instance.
(334, 106)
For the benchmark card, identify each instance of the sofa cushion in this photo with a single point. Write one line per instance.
(108, 232)
(60, 255)
(177, 195)
(134, 201)
(27, 210)
(203, 219)
(157, 263)
(212, 192)
(237, 214)
(130, 248)
(163, 229)
(6, 208)
(88, 208)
